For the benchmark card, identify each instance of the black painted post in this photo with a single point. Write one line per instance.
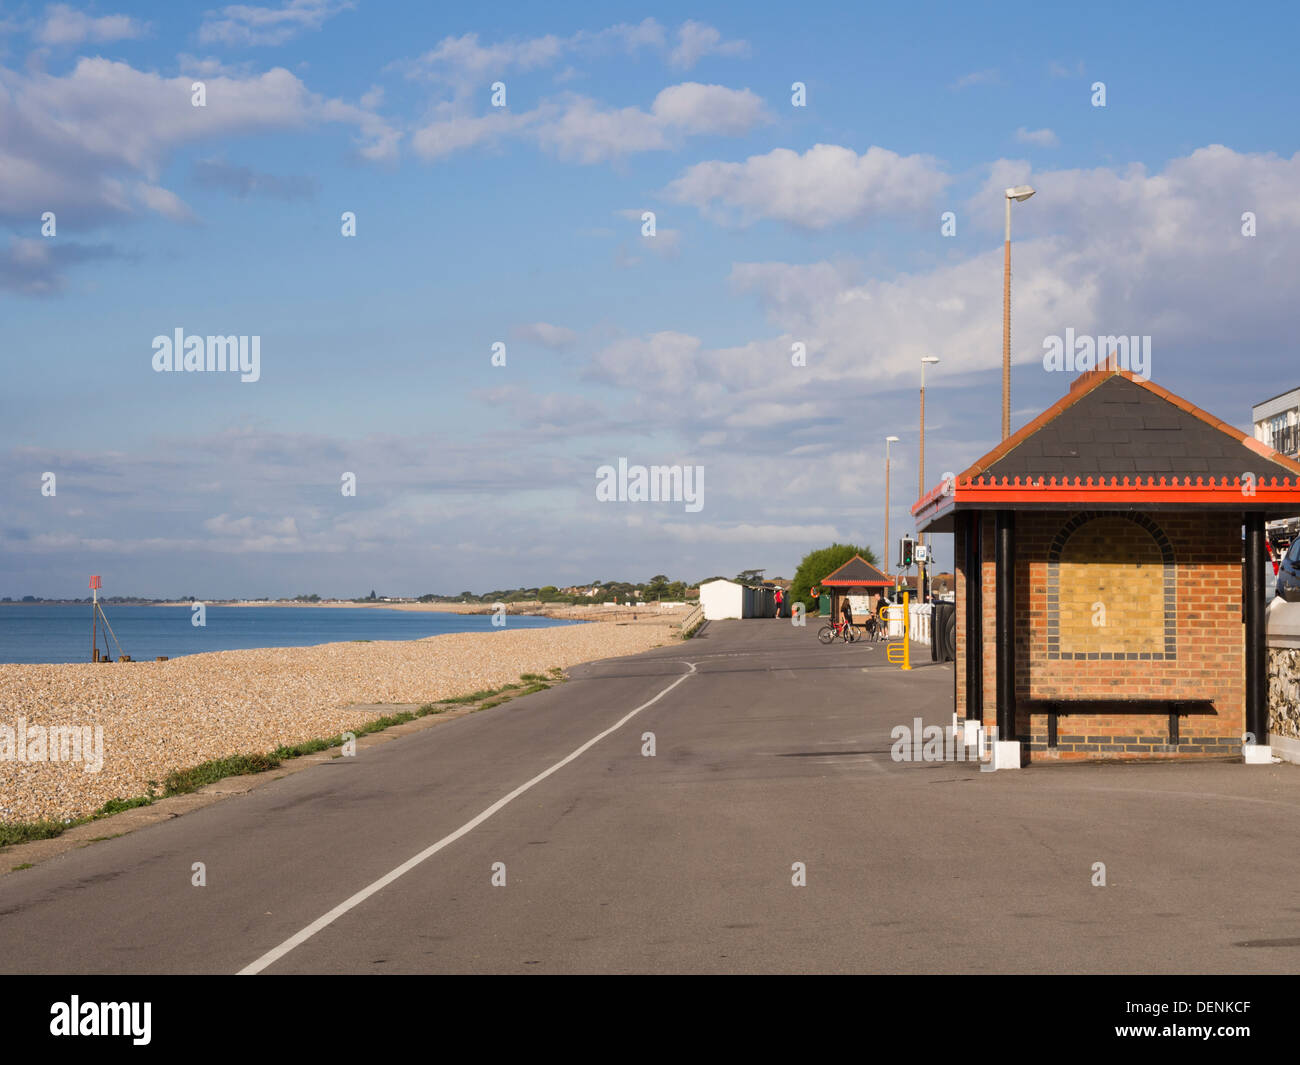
(1005, 622)
(1256, 653)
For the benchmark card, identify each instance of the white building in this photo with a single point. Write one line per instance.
(727, 599)
(1277, 422)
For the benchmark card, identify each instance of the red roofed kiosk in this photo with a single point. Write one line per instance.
(856, 577)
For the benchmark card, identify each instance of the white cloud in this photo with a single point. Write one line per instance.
(211, 66)
(580, 129)
(590, 134)
(1043, 138)
(254, 534)
(586, 133)
(1102, 251)
(76, 143)
(555, 337)
(457, 59)
(1057, 69)
(164, 202)
(669, 359)
(708, 109)
(243, 24)
(244, 181)
(978, 77)
(695, 40)
(446, 136)
(35, 267)
(747, 533)
(64, 25)
(465, 64)
(827, 185)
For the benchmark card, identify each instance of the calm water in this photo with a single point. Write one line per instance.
(61, 633)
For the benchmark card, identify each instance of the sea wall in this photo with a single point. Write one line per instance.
(1283, 629)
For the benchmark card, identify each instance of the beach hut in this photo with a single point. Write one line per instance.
(1108, 606)
(730, 599)
(722, 599)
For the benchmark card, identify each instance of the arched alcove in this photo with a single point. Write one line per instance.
(1111, 590)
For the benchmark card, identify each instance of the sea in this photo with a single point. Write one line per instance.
(39, 632)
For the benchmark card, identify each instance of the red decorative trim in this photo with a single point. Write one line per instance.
(1087, 492)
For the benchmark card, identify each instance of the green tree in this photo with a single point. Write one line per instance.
(819, 564)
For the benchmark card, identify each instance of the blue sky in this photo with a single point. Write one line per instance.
(775, 225)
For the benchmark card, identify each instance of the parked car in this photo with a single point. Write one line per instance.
(1288, 575)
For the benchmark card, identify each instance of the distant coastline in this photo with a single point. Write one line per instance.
(525, 608)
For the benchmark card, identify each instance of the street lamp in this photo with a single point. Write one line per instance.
(888, 565)
(926, 360)
(1019, 193)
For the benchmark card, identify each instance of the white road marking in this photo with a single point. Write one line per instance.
(296, 940)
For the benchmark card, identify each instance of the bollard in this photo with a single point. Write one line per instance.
(907, 641)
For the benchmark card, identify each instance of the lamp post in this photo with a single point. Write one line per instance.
(1019, 193)
(926, 360)
(888, 565)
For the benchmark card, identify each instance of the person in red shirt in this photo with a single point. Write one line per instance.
(780, 599)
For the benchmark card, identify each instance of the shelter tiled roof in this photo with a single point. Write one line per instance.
(1114, 423)
(856, 572)
(1118, 440)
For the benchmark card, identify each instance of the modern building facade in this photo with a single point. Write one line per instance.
(1277, 423)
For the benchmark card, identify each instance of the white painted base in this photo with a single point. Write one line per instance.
(1257, 755)
(971, 730)
(1006, 754)
(1285, 748)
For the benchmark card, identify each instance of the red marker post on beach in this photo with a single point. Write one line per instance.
(94, 611)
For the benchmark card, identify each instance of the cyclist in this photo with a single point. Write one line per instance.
(846, 617)
(882, 614)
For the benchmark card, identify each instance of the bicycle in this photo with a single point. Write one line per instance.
(839, 631)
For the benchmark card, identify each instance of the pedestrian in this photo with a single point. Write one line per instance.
(846, 613)
(780, 598)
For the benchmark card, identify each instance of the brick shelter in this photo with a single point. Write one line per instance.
(1116, 614)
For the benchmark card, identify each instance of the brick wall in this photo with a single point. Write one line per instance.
(1169, 591)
